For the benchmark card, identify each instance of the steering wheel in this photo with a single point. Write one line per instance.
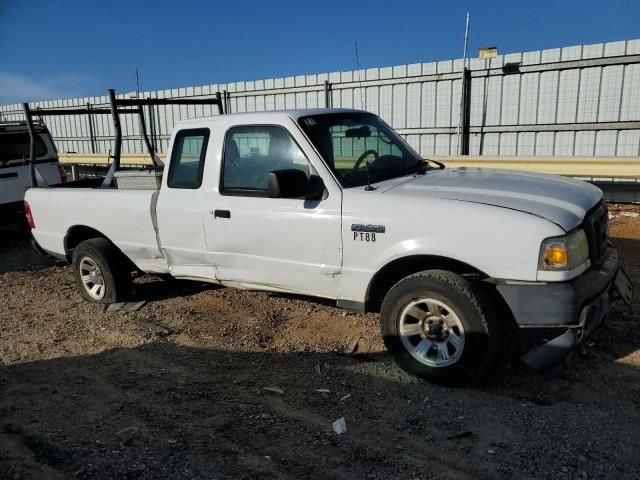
(365, 155)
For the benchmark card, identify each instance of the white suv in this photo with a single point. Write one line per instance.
(14, 167)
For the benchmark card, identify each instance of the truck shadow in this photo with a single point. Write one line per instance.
(153, 289)
(16, 253)
(163, 410)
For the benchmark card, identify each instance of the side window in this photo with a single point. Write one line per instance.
(187, 158)
(251, 152)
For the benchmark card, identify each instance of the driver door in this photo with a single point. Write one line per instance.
(287, 244)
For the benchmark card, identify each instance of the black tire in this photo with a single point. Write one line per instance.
(113, 269)
(472, 308)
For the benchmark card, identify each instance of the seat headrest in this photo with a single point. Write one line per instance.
(231, 151)
(279, 145)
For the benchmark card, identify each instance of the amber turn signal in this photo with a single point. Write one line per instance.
(555, 256)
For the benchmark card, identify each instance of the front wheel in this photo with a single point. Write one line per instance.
(438, 326)
(100, 271)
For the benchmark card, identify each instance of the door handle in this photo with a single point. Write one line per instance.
(221, 214)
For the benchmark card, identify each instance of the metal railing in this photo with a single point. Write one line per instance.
(587, 167)
(581, 100)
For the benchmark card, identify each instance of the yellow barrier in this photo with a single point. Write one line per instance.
(103, 159)
(592, 167)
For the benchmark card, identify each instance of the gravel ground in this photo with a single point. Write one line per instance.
(206, 382)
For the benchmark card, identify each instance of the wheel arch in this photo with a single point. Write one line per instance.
(77, 234)
(399, 268)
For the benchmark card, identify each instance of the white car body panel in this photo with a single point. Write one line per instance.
(562, 200)
(492, 240)
(283, 244)
(14, 180)
(124, 217)
(15, 176)
(494, 221)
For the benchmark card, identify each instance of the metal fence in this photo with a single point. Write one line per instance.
(574, 101)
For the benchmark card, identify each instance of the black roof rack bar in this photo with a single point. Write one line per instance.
(143, 128)
(173, 101)
(115, 112)
(32, 147)
(78, 111)
(117, 146)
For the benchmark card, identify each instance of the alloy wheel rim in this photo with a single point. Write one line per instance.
(431, 332)
(92, 278)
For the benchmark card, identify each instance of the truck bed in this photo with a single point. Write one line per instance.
(126, 217)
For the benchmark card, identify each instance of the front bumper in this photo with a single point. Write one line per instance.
(572, 304)
(579, 305)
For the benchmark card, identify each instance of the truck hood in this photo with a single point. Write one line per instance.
(561, 200)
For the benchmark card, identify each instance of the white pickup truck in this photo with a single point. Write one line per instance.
(14, 171)
(333, 203)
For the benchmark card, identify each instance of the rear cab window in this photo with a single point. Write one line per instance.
(187, 158)
(14, 146)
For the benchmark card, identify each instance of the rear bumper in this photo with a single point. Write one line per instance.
(578, 303)
(36, 246)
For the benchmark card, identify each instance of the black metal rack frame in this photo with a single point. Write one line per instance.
(117, 106)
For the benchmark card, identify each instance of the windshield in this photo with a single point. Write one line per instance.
(360, 147)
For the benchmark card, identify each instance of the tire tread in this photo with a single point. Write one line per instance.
(117, 279)
(479, 302)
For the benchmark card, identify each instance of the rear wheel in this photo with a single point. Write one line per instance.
(437, 325)
(100, 271)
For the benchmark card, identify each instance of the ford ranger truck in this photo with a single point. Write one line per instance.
(335, 204)
(14, 170)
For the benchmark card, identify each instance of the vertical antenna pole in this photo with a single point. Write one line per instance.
(359, 75)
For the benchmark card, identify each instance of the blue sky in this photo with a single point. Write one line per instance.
(57, 49)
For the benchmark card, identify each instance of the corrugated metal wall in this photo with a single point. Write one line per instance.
(580, 100)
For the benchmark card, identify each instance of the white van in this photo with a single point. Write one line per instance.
(14, 168)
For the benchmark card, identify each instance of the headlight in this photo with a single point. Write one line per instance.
(564, 253)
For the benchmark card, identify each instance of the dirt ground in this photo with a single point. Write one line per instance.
(206, 382)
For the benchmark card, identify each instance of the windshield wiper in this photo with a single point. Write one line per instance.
(419, 167)
(422, 166)
(440, 164)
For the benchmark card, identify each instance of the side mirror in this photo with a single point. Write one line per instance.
(315, 188)
(293, 183)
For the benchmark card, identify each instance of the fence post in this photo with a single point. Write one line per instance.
(465, 114)
(91, 134)
(152, 125)
(328, 97)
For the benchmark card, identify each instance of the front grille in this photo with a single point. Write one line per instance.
(596, 227)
